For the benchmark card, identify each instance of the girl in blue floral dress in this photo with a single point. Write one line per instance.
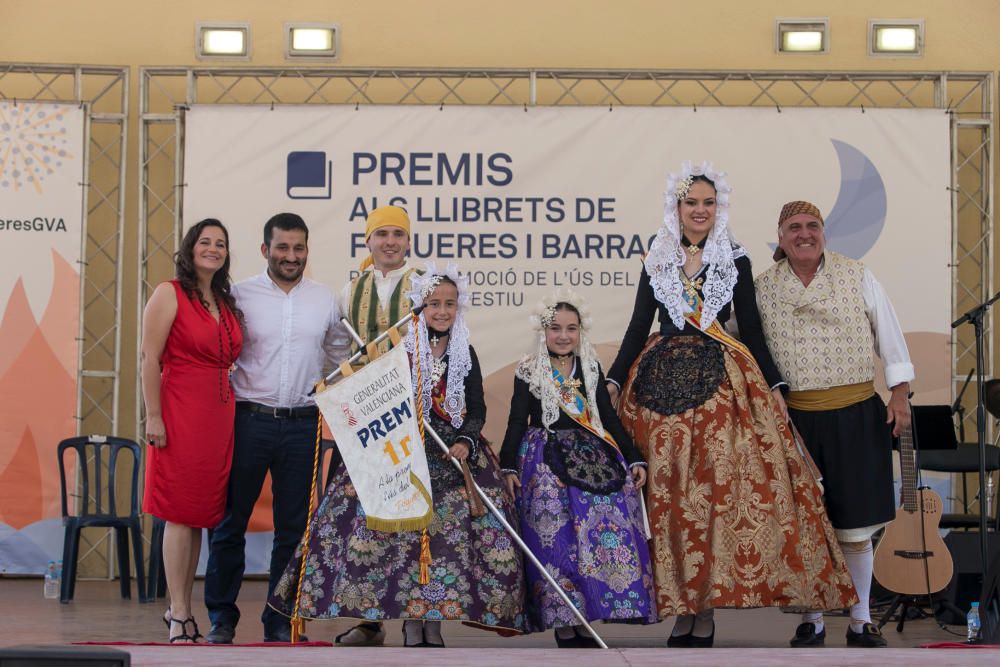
(476, 574)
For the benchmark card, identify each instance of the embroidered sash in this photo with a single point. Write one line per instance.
(715, 331)
(583, 458)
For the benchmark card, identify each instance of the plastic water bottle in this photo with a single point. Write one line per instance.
(52, 581)
(972, 623)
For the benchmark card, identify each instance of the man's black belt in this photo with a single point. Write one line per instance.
(307, 411)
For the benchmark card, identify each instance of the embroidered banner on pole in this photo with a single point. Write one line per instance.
(374, 420)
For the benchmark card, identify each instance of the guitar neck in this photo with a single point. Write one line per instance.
(908, 468)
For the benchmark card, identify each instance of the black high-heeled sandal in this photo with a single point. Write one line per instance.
(185, 636)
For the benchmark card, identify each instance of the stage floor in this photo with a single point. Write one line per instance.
(749, 638)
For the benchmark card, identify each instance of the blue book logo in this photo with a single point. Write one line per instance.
(309, 175)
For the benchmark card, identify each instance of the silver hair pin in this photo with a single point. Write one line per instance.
(430, 286)
(547, 316)
(683, 185)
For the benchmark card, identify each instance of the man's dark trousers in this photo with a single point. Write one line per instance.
(263, 442)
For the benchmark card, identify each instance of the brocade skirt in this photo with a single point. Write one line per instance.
(476, 572)
(737, 518)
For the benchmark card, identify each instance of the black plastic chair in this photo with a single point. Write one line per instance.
(157, 575)
(940, 452)
(92, 448)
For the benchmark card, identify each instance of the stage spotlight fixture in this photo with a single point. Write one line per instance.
(317, 41)
(802, 35)
(222, 41)
(895, 37)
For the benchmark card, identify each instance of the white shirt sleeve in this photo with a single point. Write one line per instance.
(345, 299)
(889, 341)
(337, 344)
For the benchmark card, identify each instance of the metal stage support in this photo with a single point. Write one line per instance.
(104, 92)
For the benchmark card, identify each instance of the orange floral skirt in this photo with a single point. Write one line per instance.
(736, 516)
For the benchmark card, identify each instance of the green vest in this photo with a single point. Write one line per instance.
(367, 315)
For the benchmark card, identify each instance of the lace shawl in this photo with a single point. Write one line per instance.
(666, 255)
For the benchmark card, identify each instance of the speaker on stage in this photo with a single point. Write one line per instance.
(63, 656)
(966, 584)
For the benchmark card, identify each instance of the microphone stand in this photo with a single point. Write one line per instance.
(975, 317)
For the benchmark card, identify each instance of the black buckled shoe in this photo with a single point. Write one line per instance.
(221, 633)
(679, 641)
(869, 637)
(694, 641)
(806, 635)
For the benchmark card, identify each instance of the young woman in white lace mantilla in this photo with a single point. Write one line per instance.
(736, 517)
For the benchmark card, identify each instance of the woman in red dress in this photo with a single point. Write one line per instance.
(190, 338)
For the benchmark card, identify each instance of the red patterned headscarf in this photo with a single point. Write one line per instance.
(795, 208)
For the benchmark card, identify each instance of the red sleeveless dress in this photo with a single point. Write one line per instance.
(186, 481)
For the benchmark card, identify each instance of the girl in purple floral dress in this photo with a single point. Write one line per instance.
(576, 475)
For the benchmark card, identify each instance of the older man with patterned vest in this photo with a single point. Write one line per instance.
(825, 317)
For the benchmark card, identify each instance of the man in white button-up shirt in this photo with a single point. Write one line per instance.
(293, 332)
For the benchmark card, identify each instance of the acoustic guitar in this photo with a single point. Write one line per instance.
(911, 558)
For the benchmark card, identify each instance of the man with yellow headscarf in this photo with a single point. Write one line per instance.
(373, 302)
(376, 299)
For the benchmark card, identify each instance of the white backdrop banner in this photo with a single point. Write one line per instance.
(529, 200)
(526, 201)
(41, 228)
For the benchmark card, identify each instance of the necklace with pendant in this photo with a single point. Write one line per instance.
(437, 370)
(691, 287)
(437, 336)
(693, 249)
(568, 389)
(569, 383)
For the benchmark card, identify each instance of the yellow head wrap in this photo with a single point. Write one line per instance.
(384, 216)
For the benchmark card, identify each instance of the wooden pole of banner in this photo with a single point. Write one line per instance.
(482, 494)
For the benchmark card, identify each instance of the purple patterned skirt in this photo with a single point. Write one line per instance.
(593, 545)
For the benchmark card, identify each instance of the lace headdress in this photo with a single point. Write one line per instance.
(666, 256)
(536, 368)
(459, 357)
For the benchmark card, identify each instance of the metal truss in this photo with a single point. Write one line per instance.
(104, 92)
(967, 96)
